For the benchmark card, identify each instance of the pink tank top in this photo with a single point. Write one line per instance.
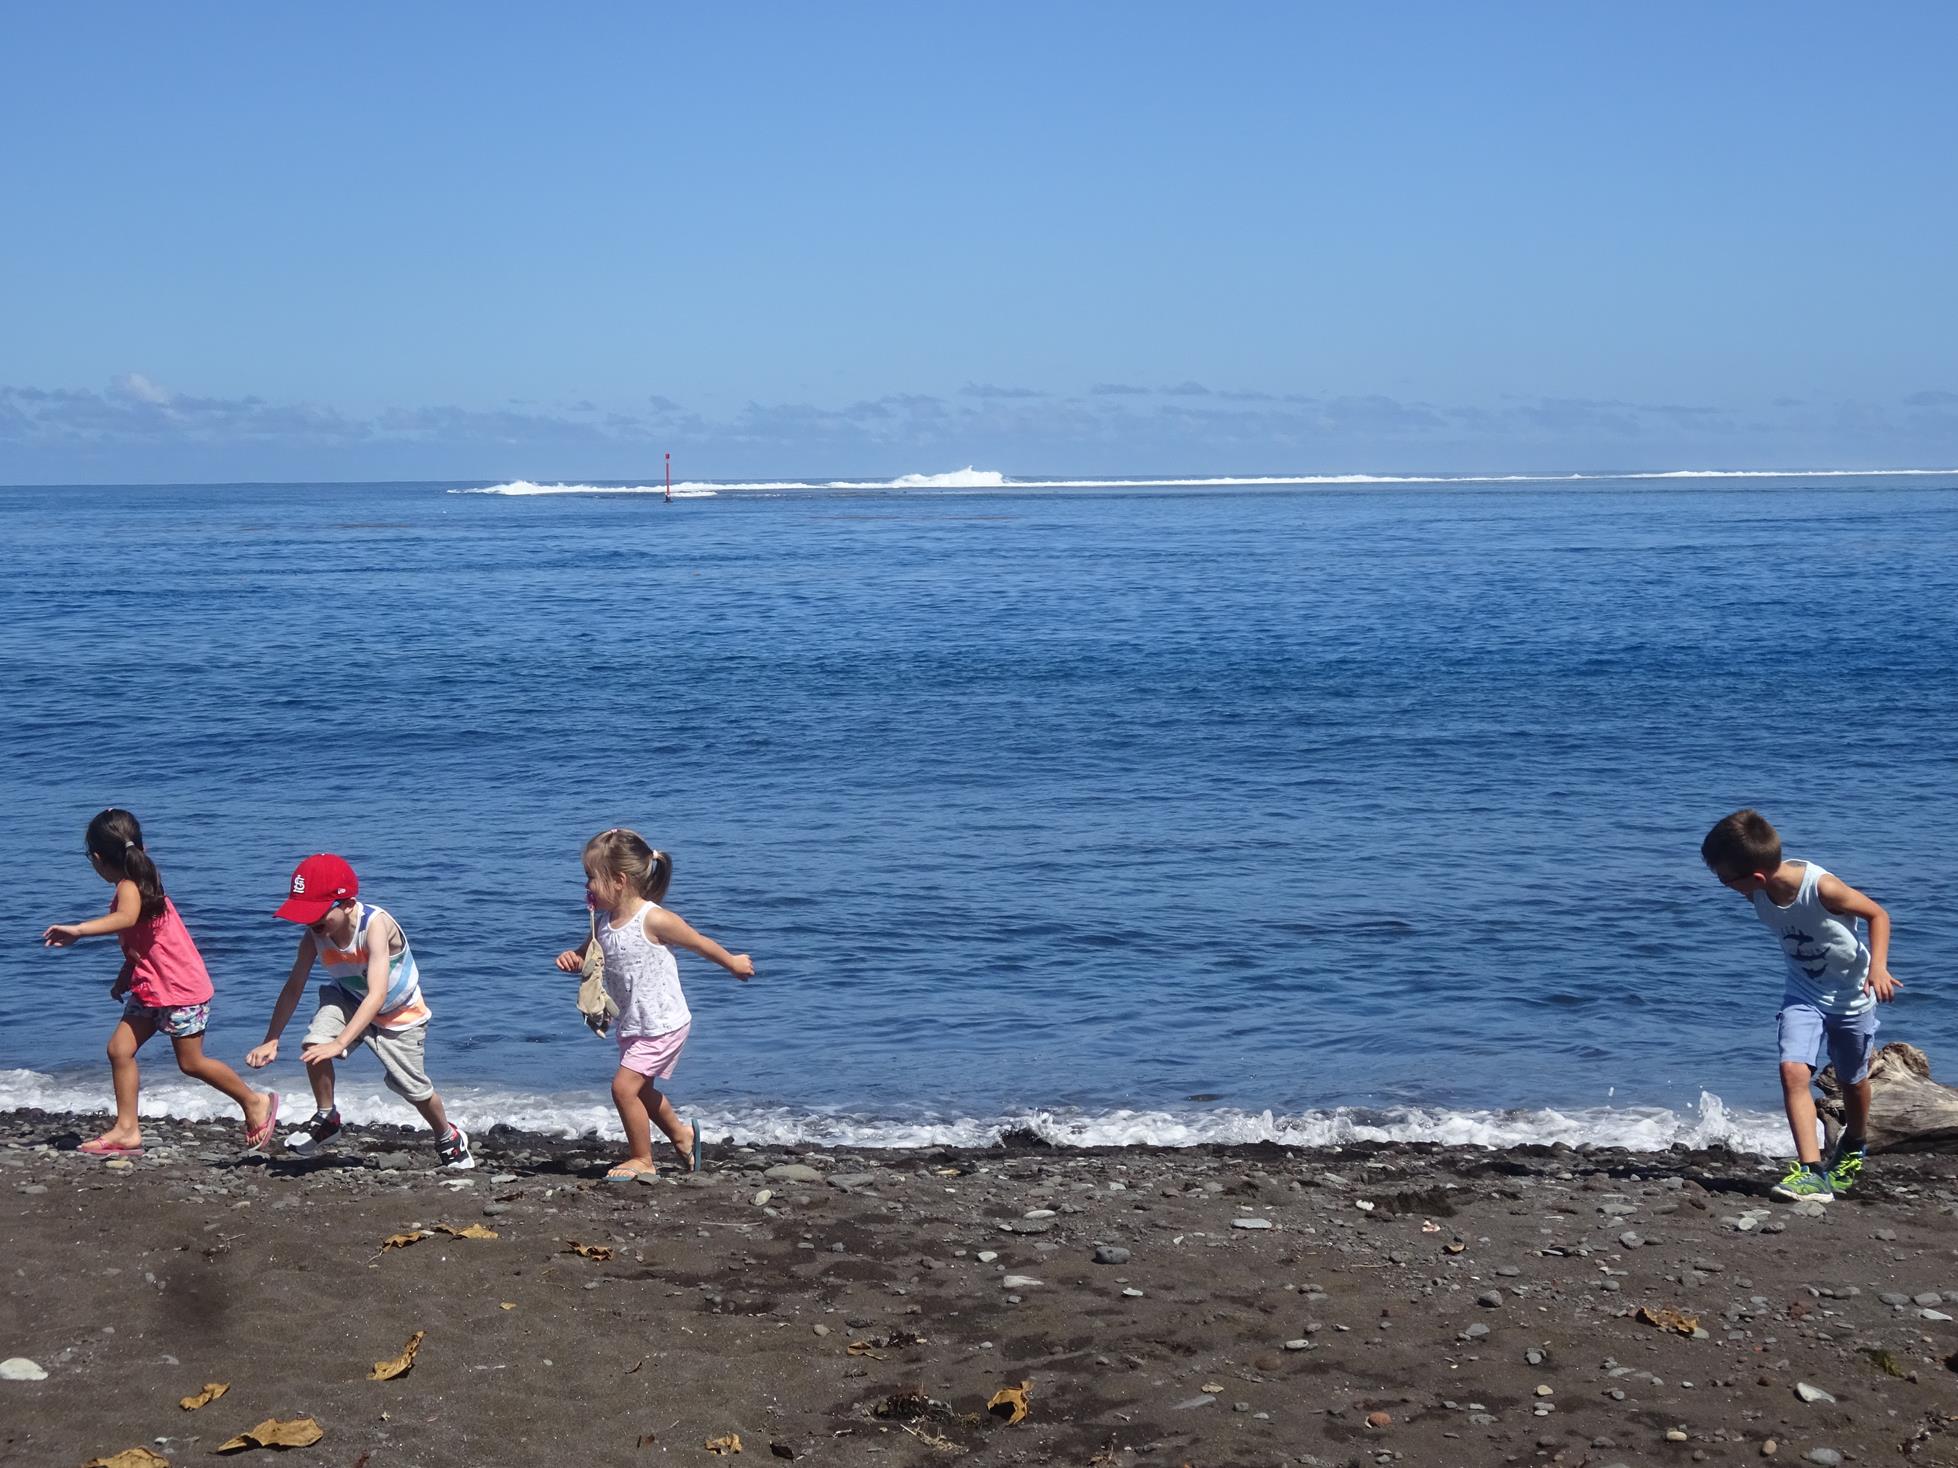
(167, 970)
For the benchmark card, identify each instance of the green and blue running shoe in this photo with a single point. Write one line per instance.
(1805, 1183)
(1846, 1167)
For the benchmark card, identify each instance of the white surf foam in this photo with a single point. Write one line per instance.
(971, 478)
(680, 491)
(1639, 1129)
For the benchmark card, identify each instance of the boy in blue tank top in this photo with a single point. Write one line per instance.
(1835, 980)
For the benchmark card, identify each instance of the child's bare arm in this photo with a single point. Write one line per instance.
(288, 1001)
(380, 940)
(1845, 901)
(668, 927)
(127, 912)
(572, 960)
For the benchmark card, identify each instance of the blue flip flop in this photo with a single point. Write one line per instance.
(696, 1144)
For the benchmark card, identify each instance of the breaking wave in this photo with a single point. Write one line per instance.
(1635, 1128)
(971, 478)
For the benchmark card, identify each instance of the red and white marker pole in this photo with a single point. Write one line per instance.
(669, 478)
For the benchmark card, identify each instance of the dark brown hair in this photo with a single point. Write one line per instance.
(622, 853)
(1741, 843)
(115, 840)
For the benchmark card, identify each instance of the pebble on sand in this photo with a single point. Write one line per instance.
(19, 1368)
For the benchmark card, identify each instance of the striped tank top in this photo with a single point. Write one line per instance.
(404, 1007)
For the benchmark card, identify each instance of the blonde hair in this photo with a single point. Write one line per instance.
(622, 853)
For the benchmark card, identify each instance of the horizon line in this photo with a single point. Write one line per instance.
(1357, 477)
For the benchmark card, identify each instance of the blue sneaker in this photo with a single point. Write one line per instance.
(1846, 1167)
(1805, 1183)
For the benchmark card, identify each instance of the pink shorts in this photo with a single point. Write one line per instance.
(653, 1056)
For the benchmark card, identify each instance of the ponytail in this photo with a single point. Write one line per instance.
(116, 840)
(622, 853)
(658, 876)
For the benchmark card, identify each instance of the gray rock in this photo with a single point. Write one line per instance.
(1826, 1457)
(850, 1181)
(1630, 1240)
(793, 1172)
(1490, 1299)
(1026, 1225)
(394, 1161)
(1811, 1393)
(1896, 1299)
(1111, 1254)
(1190, 1404)
(19, 1368)
(1250, 1223)
(1475, 1332)
(1929, 1297)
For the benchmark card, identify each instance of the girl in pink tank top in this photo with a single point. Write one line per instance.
(166, 985)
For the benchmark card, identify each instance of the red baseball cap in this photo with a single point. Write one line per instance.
(318, 883)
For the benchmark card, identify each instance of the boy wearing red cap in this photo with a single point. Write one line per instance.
(372, 997)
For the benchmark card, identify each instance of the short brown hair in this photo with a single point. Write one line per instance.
(1741, 843)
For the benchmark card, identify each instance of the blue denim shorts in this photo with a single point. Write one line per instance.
(1851, 1038)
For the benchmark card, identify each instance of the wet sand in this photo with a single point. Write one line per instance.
(1252, 1305)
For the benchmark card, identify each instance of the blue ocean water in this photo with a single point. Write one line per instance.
(1144, 809)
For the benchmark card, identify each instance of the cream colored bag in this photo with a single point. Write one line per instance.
(593, 1002)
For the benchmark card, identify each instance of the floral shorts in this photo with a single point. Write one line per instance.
(178, 1023)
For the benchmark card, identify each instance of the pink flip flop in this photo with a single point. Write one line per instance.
(256, 1137)
(100, 1148)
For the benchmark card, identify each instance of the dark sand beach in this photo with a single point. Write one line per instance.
(1259, 1306)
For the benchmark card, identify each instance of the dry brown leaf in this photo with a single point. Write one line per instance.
(472, 1231)
(633, 1369)
(724, 1446)
(212, 1391)
(402, 1241)
(294, 1432)
(863, 1348)
(1454, 1248)
(130, 1458)
(507, 1305)
(1010, 1402)
(1667, 1318)
(598, 1252)
(399, 1365)
(647, 1439)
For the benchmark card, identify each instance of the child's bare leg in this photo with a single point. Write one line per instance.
(668, 1121)
(431, 1109)
(627, 1086)
(1799, 1101)
(319, 1075)
(193, 1062)
(1856, 1110)
(124, 1041)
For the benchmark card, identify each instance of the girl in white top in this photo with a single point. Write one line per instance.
(624, 881)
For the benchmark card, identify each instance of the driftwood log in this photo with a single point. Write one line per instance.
(1908, 1110)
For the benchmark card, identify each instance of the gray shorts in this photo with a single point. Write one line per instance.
(402, 1052)
(1802, 1028)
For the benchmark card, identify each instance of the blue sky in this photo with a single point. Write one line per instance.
(494, 241)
